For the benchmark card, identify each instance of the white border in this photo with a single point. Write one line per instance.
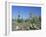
(9, 15)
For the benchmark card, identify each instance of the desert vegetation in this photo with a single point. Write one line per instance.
(32, 23)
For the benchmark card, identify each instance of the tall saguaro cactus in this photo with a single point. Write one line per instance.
(19, 15)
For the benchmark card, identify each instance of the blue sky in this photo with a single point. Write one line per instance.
(24, 11)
